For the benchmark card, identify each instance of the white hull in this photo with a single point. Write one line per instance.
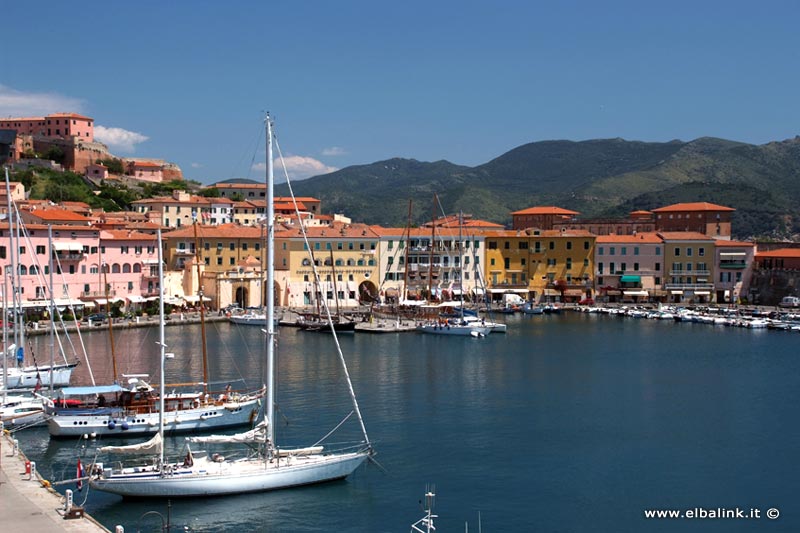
(26, 377)
(22, 412)
(209, 478)
(453, 330)
(203, 418)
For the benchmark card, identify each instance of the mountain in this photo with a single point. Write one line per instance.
(602, 177)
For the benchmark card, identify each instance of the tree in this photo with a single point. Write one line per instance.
(55, 153)
(114, 165)
(211, 192)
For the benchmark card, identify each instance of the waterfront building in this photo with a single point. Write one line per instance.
(637, 222)
(629, 267)
(430, 263)
(689, 259)
(56, 125)
(701, 217)
(778, 259)
(43, 213)
(541, 265)
(344, 255)
(124, 269)
(733, 262)
(251, 190)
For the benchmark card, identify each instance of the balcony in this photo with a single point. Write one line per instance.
(69, 256)
(97, 294)
(689, 286)
(184, 251)
(736, 265)
(689, 273)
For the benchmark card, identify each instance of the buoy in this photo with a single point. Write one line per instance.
(111, 424)
(124, 426)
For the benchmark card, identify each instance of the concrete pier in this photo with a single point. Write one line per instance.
(28, 503)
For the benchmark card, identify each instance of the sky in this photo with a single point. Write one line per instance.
(355, 82)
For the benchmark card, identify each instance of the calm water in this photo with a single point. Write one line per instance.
(567, 423)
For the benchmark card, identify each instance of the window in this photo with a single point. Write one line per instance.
(636, 251)
(677, 252)
(552, 245)
(492, 245)
(688, 252)
(219, 246)
(244, 246)
(569, 245)
(523, 245)
(130, 286)
(219, 261)
(40, 250)
(658, 251)
(611, 269)
(636, 267)
(601, 250)
(701, 252)
(231, 246)
(612, 250)
(86, 288)
(491, 261)
(585, 245)
(506, 263)
(658, 267)
(507, 245)
(537, 247)
(232, 261)
(623, 250)
(123, 249)
(569, 263)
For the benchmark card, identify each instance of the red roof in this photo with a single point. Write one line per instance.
(793, 253)
(684, 236)
(546, 210)
(644, 237)
(692, 206)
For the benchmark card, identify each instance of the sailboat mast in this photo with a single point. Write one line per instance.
(270, 314)
(14, 268)
(407, 246)
(110, 323)
(52, 307)
(5, 342)
(163, 347)
(430, 255)
(202, 308)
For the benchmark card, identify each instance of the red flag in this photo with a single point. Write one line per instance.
(80, 474)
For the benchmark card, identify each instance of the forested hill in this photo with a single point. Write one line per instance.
(605, 177)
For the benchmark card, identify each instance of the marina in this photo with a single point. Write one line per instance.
(569, 421)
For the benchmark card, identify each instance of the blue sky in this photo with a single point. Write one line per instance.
(354, 82)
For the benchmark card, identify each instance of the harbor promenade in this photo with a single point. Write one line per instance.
(31, 504)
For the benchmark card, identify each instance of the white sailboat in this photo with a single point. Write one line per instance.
(19, 376)
(268, 467)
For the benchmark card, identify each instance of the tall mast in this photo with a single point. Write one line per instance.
(163, 347)
(52, 307)
(110, 321)
(461, 261)
(335, 288)
(270, 221)
(430, 255)
(5, 340)
(202, 307)
(407, 246)
(14, 267)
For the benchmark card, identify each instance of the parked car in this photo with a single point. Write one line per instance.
(97, 317)
(586, 301)
(790, 301)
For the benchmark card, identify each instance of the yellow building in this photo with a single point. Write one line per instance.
(540, 264)
(345, 257)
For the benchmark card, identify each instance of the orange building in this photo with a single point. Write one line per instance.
(709, 219)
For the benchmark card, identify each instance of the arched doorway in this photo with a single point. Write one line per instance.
(241, 297)
(367, 292)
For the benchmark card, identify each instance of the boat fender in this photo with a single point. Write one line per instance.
(124, 426)
(111, 424)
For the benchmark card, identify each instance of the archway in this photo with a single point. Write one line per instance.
(241, 297)
(367, 292)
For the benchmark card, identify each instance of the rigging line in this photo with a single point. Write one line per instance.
(235, 172)
(331, 432)
(325, 303)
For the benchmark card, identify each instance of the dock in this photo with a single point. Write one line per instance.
(29, 503)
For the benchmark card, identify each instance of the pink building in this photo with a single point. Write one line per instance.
(131, 266)
(57, 125)
(145, 171)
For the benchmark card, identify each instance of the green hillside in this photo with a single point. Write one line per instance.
(595, 178)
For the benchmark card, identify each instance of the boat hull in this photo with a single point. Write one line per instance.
(453, 330)
(24, 378)
(228, 478)
(65, 425)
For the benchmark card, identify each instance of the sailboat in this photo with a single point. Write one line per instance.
(462, 325)
(268, 467)
(18, 376)
(136, 410)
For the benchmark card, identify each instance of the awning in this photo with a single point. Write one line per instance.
(676, 292)
(635, 293)
(552, 292)
(68, 246)
(149, 261)
(701, 293)
(101, 301)
(573, 292)
(85, 391)
(613, 292)
(136, 299)
(89, 305)
(193, 298)
(732, 254)
(477, 290)
(630, 279)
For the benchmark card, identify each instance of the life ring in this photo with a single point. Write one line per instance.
(196, 403)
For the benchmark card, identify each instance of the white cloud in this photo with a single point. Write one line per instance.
(333, 151)
(119, 138)
(15, 103)
(298, 167)
(196, 165)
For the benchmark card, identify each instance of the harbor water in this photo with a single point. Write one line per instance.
(571, 422)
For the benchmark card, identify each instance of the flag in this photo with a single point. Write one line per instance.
(80, 474)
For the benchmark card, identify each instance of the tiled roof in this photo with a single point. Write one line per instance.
(793, 253)
(684, 236)
(226, 231)
(644, 237)
(721, 243)
(545, 210)
(68, 115)
(57, 214)
(125, 235)
(692, 206)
